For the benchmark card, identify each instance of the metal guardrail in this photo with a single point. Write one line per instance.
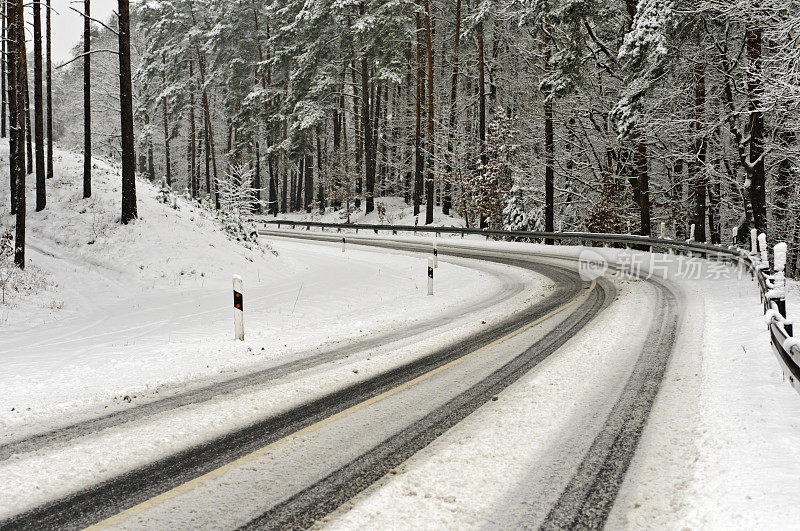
(786, 349)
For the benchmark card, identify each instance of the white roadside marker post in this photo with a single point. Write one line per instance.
(238, 307)
(342, 243)
(430, 276)
(663, 230)
(435, 256)
(753, 241)
(691, 232)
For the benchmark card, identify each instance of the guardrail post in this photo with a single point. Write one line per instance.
(238, 307)
(430, 276)
(779, 282)
(762, 247)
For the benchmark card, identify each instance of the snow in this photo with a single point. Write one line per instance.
(487, 471)
(144, 310)
(398, 213)
(720, 449)
(115, 314)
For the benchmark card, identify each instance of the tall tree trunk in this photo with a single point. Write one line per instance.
(481, 104)
(9, 43)
(207, 155)
(3, 96)
(301, 174)
(419, 160)
(320, 187)
(308, 197)
(87, 101)
(429, 182)
(192, 136)
(644, 187)
(49, 68)
(366, 126)
(151, 167)
(28, 125)
(449, 177)
(359, 140)
(284, 190)
(129, 211)
(753, 37)
(257, 180)
(166, 135)
(17, 39)
(38, 106)
(699, 159)
(549, 169)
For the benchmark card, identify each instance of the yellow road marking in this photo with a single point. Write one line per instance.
(208, 476)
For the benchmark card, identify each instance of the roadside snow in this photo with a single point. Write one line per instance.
(144, 310)
(36, 477)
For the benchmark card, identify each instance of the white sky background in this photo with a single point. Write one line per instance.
(68, 25)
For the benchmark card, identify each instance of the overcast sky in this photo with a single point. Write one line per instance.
(68, 25)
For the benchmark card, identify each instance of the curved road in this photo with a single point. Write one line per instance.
(290, 470)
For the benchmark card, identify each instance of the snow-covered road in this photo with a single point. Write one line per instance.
(524, 412)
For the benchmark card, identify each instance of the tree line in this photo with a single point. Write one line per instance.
(612, 116)
(26, 138)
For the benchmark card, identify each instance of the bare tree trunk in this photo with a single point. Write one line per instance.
(28, 126)
(481, 104)
(16, 38)
(49, 68)
(449, 177)
(308, 197)
(359, 141)
(9, 47)
(419, 161)
(699, 161)
(753, 37)
(129, 211)
(207, 155)
(320, 188)
(38, 107)
(429, 184)
(284, 190)
(87, 101)
(3, 105)
(366, 126)
(192, 136)
(166, 137)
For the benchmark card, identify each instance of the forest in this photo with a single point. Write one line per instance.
(557, 115)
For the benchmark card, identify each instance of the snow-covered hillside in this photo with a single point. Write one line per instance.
(76, 238)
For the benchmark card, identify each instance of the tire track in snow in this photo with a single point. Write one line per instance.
(110, 497)
(310, 505)
(305, 361)
(589, 496)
